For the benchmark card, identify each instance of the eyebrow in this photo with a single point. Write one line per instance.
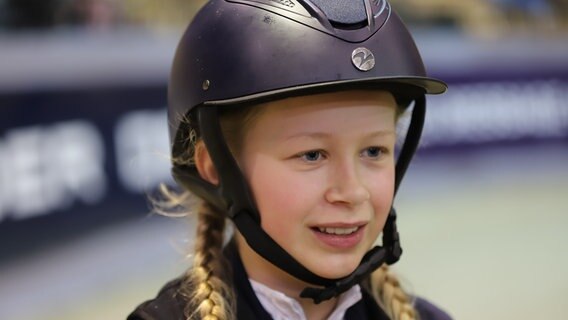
(323, 135)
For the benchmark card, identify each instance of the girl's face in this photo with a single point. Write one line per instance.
(321, 169)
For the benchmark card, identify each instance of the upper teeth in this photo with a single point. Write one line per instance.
(338, 230)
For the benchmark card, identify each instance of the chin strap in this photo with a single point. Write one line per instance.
(234, 197)
(371, 261)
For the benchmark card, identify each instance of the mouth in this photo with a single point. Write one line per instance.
(340, 236)
(337, 230)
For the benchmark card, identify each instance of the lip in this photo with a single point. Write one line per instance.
(340, 242)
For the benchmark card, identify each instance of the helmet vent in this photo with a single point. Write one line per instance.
(344, 14)
(287, 3)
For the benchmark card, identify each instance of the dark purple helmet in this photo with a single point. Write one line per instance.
(242, 52)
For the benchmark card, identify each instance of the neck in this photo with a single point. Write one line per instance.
(318, 311)
(261, 270)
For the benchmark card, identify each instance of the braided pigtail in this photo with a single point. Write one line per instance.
(206, 284)
(388, 293)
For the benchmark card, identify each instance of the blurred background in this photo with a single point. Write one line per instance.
(83, 142)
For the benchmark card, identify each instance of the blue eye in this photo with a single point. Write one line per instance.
(311, 156)
(373, 152)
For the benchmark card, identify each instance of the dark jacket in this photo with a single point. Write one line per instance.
(169, 305)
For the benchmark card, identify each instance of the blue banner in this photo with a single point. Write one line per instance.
(75, 158)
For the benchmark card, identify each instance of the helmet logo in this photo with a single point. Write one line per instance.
(363, 59)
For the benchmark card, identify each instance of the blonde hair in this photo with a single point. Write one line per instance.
(207, 285)
(387, 291)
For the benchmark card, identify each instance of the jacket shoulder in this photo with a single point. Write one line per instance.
(168, 304)
(429, 311)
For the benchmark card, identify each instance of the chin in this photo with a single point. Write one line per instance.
(335, 272)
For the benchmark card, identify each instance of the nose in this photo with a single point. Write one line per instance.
(346, 186)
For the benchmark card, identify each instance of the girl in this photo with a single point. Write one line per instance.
(282, 118)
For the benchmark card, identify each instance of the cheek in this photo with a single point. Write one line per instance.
(270, 189)
(281, 207)
(382, 194)
(276, 192)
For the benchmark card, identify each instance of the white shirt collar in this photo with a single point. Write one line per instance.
(282, 307)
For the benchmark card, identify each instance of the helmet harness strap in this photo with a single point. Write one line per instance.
(233, 196)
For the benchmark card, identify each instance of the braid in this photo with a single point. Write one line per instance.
(387, 291)
(210, 296)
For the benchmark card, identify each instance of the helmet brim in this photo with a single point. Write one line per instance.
(409, 86)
